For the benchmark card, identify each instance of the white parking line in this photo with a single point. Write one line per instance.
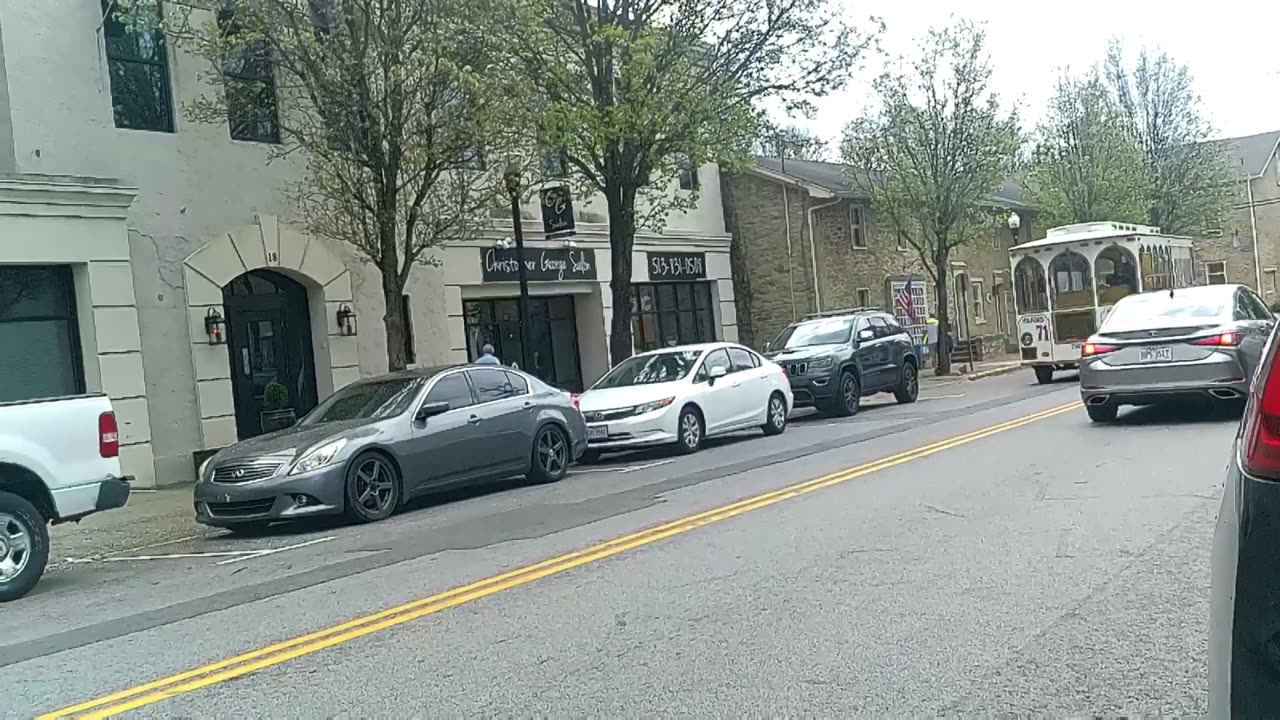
(634, 468)
(273, 551)
(941, 397)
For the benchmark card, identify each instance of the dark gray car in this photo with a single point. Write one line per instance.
(835, 359)
(382, 440)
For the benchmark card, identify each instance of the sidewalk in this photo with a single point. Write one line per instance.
(151, 517)
(999, 365)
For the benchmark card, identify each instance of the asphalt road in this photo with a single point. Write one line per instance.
(984, 551)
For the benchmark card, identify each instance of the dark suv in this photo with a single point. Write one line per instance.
(835, 359)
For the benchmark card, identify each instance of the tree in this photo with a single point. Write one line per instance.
(1190, 179)
(1086, 166)
(394, 104)
(791, 142)
(637, 92)
(935, 151)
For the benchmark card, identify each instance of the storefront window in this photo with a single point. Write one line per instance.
(553, 336)
(667, 314)
(39, 333)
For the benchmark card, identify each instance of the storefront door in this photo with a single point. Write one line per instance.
(553, 336)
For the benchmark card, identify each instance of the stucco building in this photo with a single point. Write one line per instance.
(126, 231)
(805, 240)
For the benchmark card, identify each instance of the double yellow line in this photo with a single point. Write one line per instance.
(241, 665)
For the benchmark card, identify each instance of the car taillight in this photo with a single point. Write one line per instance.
(108, 435)
(1229, 339)
(1091, 349)
(1260, 438)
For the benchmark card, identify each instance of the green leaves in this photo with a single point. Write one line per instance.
(1086, 166)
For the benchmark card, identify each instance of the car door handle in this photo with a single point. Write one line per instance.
(474, 419)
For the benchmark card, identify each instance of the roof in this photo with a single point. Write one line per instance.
(1081, 232)
(1251, 153)
(833, 177)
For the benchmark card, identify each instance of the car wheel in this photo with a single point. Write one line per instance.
(848, 397)
(372, 488)
(775, 416)
(550, 455)
(909, 387)
(689, 431)
(1102, 413)
(1044, 375)
(590, 456)
(24, 546)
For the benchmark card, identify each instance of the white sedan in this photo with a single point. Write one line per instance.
(680, 395)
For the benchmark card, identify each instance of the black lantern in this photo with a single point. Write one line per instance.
(215, 327)
(346, 321)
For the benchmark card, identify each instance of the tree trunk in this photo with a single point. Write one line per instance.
(394, 320)
(944, 313)
(622, 237)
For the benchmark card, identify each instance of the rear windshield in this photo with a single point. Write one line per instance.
(1158, 309)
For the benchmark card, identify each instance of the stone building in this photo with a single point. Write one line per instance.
(127, 232)
(1247, 250)
(805, 240)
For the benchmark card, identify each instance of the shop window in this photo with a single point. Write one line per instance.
(406, 308)
(249, 79)
(553, 336)
(1216, 272)
(857, 228)
(138, 65)
(668, 314)
(39, 332)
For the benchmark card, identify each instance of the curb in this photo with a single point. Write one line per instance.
(995, 372)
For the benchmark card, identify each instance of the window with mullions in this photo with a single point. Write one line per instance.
(249, 79)
(667, 314)
(39, 332)
(138, 66)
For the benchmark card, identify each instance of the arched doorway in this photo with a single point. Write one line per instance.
(268, 340)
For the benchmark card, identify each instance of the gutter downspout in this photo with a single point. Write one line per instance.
(813, 253)
(791, 273)
(1253, 222)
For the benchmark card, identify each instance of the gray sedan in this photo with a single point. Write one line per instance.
(382, 440)
(1169, 344)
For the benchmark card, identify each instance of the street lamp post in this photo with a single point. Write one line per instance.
(1015, 222)
(511, 179)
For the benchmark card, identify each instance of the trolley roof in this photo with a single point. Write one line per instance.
(1084, 232)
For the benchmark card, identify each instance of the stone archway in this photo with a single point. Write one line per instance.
(267, 244)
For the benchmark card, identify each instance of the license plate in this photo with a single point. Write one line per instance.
(1160, 353)
(597, 432)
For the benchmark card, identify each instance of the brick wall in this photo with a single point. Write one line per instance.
(774, 287)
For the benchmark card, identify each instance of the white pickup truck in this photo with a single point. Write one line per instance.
(59, 461)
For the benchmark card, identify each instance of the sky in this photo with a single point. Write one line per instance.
(1232, 50)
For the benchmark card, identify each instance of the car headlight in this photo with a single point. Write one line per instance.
(651, 406)
(821, 363)
(318, 458)
(200, 476)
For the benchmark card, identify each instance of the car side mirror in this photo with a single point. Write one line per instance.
(866, 334)
(431, 409)
(716, 372)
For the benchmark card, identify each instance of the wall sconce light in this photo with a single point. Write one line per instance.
(346, 321)
(215, 327)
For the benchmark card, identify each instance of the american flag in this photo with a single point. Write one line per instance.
(905, 303)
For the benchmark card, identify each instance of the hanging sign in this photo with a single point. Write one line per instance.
(557, 212)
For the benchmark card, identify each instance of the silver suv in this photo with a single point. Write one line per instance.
(836, 359)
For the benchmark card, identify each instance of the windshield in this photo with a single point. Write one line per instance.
(1157, 309)
(370, 400)
(814, 332)
(649, 369)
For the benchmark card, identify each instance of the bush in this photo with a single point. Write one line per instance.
(275, 397)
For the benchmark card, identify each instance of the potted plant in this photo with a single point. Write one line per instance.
(276, 413)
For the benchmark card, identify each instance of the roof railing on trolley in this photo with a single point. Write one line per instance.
(845, 311)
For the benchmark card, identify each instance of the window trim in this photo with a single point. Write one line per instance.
(979, 300)
(1208, 273)
(687, 178)
(66, 283)
(170, 122)
(857, 230)
(857, 293)
(265, 82)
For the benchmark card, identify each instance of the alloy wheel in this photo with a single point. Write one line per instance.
(15, 547)
(552, 452)
(849, 390)
(913, 379)
(777, 413)
(690, 431)
(375, 485)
